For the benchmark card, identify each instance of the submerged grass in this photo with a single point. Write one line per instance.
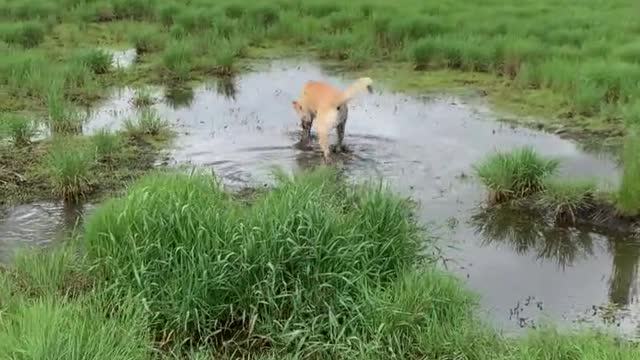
(177, 268)
(515, 174)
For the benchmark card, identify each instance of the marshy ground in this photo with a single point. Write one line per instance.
(175, 89)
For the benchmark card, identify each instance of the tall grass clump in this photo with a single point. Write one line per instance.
(225, 54)
(548, 343)
(565, 199)
(68, 165)
(58, 270)
(18, 129)
(52, 327)
(146, 40)
(514, 174)
(147, 122)
(134, 9)
(294, 263)
(628, 195)
(167, 13)
(27, 34)
(178, 59)
(97, 60)
(106, 144)
(63, 118)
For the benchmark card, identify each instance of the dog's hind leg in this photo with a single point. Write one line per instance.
(326, 120)
(343, 114)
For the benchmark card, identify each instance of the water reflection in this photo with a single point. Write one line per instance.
(623, 283)
(179, 96)
(227, 87)
(525, 232)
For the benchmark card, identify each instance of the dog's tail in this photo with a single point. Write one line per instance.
(354, 89)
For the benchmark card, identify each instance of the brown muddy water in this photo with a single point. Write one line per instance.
(525, 271)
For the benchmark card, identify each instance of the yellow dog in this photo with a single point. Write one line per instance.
(325, 107)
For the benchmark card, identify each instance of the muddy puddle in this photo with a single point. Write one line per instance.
(525, 271)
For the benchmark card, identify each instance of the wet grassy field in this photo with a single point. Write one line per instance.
(176, 267)
(579, 64)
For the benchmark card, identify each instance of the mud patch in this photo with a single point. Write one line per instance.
(423, 146)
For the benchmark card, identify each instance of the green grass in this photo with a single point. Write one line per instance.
(68, 165)
(143, 98)
(565, 198)
(514, 174)
(213, 261)
(177, 60)
(55, 328)
(581, 62)
(63, 117)
(18, 129)
(26, 34)
(146, 40)
(628, 195)
(147, 123)
(312, 268)
(106, 144)
(97, 60)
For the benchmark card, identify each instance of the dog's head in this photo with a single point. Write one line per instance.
(370, 89)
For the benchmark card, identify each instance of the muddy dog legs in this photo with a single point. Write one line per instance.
(305, 123)
(326, 121)
(343, 114)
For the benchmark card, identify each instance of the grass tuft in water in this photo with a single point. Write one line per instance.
(97, 60)
(106, 144)
(177, 60)
(514, 174)
(63, 117)
(147, 123)
(564, 199)
(68, 165)
(143, 98)
(18, 129)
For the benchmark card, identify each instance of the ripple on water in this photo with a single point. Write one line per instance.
(37, 223)
(424, 146)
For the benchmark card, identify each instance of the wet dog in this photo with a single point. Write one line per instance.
(324, 107)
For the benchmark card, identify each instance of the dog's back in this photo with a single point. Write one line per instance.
(317, 95)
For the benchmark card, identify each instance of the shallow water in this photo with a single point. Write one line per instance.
(123, 58)
(37, 224)
(424, 146)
